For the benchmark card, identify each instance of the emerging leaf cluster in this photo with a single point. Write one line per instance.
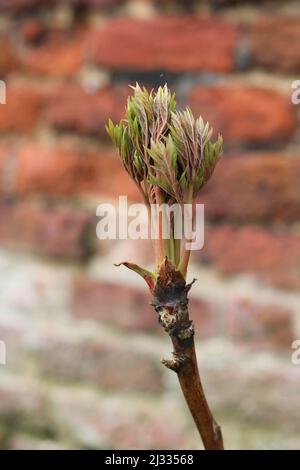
(164, 148)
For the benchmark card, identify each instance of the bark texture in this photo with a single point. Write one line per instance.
(171, 304)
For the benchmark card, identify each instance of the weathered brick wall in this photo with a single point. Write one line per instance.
(83, 345)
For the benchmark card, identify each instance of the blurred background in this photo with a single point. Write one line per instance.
(82, 343)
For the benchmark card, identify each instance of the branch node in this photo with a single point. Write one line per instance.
(176, 362)
(186, 333)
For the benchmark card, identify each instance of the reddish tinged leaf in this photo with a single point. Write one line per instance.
(148, 276)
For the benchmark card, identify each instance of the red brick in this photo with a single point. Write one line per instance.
(204, 316)
(101, 301)
(5, 155)
(177, 44)
(245, 114)
(187, 5)
(71, 108)
(54, 231)
(118, 183)
(59, 55)
(57, 171)
(264, 326)
(8, 61)
(29, 4)
(271, 257)
(254, 187)
(66, 170)
(110, 364)
(122, 306)
(19, 4)
(102, 3)
(274, 43)
(22, 108)
(32, 30)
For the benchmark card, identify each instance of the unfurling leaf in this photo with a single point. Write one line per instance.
(148, 276)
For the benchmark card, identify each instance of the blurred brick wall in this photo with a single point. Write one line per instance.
(83, 345)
